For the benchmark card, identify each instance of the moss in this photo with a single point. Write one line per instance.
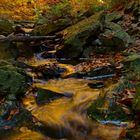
(6, 27)
(136, 101)
(12, 81)
(106, 109)
(8, 50)
(115, 37)
(132, 66)
(74, 43)
(48, 28)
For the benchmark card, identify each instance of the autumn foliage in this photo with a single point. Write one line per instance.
(31, 9)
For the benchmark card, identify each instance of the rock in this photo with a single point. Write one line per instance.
(106, 107)
(113, 17)
(8, 50)
(74, 45)
(6, 27)
(46, 96)
(100, 35)
(132, 66)
(87, 52)
(12, 80)
(49, 70)
(100, 73)
(51, 27)
(77, 36)
(96, 85)
(10, 124)
(114, 37)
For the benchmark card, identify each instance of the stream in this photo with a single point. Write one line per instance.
(65, 117)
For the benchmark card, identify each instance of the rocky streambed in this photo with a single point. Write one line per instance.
(79, 83)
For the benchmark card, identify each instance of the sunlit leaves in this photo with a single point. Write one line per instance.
(30, 9)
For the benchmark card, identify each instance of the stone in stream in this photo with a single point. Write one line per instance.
(96, 85)
(106, 107)
(15, 119)
(101, 72)
(50, 70)
(46, 96)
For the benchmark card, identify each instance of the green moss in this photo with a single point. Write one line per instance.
(115, 37)
(12, 81)
(132, 66)
(48, 28)
(6, 27)
(81, 26)
(136, 101)
(8, 50)
(106, 109)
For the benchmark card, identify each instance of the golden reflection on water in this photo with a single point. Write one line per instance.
(68, 113)
(56, 110)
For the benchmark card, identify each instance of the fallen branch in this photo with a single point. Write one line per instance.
(24, 38)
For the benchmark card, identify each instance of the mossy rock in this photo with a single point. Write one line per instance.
(8, 50)
(105, 108)
(77, 36)
(22, 119)
(136, 101)
(115, 37)
(6, 27)
(12, 80)
(113, 17)
(74, 45)
(46, 96)
(48, 28)
(132, 66)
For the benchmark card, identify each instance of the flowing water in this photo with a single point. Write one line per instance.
(66, 117)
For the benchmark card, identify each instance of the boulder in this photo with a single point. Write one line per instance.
(46, 96)
(74, 45)
(6, 27)
(77, 36)
(113, 17)
(114, 37)
(48, 28)
(8, 50)
(13, 81)
(132, 66)
(106, 107)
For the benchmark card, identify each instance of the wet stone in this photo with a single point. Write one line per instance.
(96, 85)
(46, 96)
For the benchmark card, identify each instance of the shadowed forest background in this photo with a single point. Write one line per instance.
(70, 69)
